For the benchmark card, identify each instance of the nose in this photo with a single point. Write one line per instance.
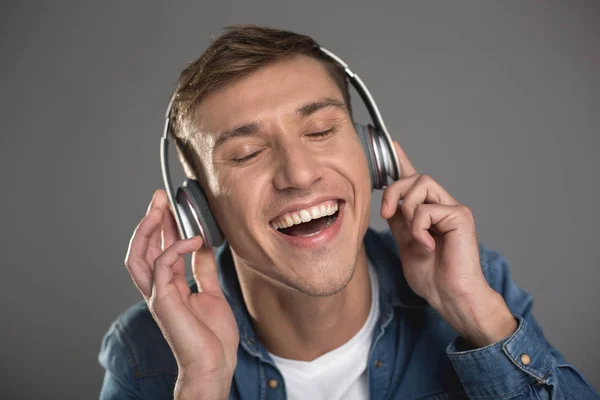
(297, 166)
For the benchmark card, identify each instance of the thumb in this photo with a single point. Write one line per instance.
(400, 228)
(204, 269)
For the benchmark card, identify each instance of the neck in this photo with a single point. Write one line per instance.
(296, 326)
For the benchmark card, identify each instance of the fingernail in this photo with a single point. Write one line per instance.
(156, 208)
(193, 238)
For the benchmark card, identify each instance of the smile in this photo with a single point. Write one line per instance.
(309, 223)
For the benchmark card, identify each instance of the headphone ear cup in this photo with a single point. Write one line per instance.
(366, 140)
(198, 219)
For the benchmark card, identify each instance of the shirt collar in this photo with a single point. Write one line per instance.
(383, 253)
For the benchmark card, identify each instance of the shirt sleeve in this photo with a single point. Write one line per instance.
(119, 380)
(522, 366)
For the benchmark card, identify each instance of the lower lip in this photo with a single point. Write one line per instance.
(321, 238)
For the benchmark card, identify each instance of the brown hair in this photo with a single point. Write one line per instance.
(239, 51)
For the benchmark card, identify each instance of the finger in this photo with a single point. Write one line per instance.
(394, 193)
(161, 200)
(188, 336)
(181, 283)
(204, 269)
(424, 190)
(163, 284)
(155, 247)
(135, 260)
(169, 235)
(169, 305)
(400, 229)
(441, 219)
(414, 190)
(151, 205)
(406, 167)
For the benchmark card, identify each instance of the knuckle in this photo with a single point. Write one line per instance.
(392, 186)
(425, 178)
(175, 245)
(464, 209)
(421, 211)
(406, 207)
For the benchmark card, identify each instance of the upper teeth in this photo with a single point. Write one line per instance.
(324, 209)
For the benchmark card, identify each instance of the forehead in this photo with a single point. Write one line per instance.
(274, 90)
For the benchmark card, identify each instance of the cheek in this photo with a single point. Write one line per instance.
(237, 204)
(359, 174)
(355, 162)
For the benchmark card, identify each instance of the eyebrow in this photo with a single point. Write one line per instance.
(304, 110)
(242, 130)
(314, 106)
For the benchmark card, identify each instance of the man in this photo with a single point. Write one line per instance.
(304, 301)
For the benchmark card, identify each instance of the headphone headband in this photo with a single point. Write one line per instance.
(390, 166)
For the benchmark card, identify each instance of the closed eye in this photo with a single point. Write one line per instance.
(322, 133)
(246, 158)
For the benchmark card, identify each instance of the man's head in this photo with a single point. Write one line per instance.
(263, 122)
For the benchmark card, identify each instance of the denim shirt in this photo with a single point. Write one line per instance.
(415, 353)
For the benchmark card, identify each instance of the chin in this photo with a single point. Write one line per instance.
(324, 281)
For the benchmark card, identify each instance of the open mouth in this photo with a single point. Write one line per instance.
(308, 222)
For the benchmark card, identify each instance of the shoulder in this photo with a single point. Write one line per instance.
(134, 346)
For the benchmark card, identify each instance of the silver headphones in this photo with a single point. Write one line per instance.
(190, 205)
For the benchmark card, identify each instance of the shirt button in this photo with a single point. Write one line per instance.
(525, 359)
(273, 383)
(378, 364)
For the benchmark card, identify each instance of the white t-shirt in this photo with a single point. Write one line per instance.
(340, 373)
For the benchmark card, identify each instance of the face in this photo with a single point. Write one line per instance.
(285, 175)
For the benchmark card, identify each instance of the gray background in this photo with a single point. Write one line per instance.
(498, 101)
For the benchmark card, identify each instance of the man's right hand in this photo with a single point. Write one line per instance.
(199, 327)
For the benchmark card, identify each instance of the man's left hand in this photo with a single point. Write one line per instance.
(440, 256)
